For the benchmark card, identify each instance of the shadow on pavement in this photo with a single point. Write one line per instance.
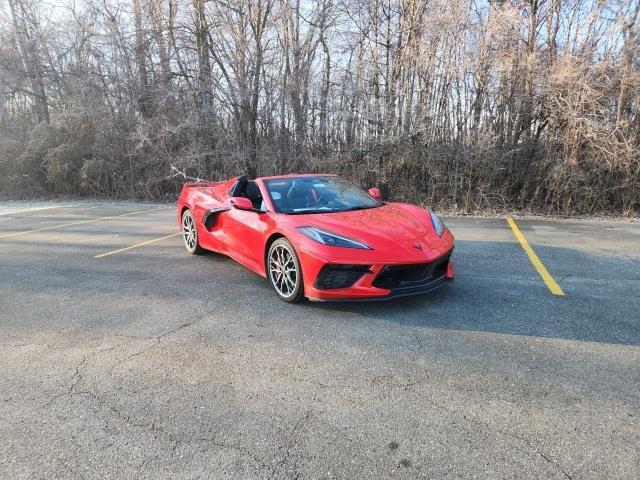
(497, 290)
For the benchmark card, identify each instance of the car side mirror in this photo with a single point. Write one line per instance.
(375, 193)
(242, 203)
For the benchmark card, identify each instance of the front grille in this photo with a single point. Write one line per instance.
(403, 276)
(340, 276)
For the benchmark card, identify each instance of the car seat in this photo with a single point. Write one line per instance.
(253, 194)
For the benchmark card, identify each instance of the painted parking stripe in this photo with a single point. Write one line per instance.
(81, 222)
(22, 211)
(552, 285)
(136, 245)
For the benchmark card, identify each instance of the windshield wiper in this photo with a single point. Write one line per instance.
(349, 209)
(304, 212)
(359, 207)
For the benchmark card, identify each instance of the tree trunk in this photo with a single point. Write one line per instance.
(144, 99)
(29, 55)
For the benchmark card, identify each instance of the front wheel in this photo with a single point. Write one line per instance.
(284, 272)
(190, 233)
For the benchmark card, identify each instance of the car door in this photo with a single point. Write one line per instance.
(246, 233)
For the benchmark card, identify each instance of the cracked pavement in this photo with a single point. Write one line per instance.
(156, 364)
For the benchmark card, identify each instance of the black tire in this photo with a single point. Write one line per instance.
(190, 233)
(288, 289)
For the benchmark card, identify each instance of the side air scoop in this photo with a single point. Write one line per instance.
(210, 216)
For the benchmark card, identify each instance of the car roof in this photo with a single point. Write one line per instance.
(294, 175)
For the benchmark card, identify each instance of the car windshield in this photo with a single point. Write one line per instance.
(298, 195)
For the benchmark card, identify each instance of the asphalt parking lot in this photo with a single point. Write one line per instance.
(150, 363)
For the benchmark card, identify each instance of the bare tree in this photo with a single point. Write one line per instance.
(25, 23)
(521, 104)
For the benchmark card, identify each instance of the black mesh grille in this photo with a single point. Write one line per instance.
(401, 276)
(340, 276)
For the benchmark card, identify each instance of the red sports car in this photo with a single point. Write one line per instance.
(318, 236)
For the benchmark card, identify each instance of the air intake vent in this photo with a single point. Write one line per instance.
(340, 276)
(395, 277)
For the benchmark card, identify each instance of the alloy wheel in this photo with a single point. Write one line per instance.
(283, 271)
(189, 231)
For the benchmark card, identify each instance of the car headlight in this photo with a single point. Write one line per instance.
(331, 239)
(438, 225)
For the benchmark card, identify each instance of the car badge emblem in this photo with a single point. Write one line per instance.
(418, 246)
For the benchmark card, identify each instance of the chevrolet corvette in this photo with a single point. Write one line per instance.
(318, 236)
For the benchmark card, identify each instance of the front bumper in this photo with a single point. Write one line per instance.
(378, 280)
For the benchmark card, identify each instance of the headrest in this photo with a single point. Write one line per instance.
(240, 186)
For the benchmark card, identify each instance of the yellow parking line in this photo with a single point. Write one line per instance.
(136, 245)
(552, 285)
(53, 227)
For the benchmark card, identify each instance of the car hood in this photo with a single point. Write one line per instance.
(389, 226)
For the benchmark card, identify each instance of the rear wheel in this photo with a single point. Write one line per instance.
(284, 272)
(190, 233)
